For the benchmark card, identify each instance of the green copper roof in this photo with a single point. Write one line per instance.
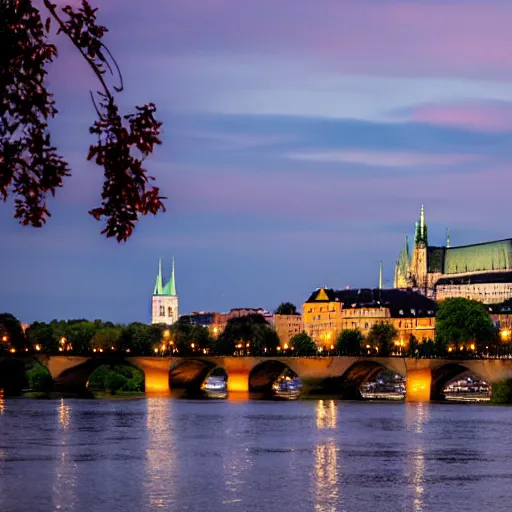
(170, 287)
(404, 259)
(158, 284)
(479, 258)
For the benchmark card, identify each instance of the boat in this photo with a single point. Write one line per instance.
(287, 387)
(215, 387)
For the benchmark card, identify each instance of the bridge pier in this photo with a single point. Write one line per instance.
(156, 373)
(418, 385)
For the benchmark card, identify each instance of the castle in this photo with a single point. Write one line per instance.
(164, 303)
(481, 272)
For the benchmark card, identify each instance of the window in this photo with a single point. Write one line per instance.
(169, 311)
(162, 310)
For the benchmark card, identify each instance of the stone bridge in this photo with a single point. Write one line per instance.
(338, 375)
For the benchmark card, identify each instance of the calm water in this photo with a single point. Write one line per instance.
(164, 454)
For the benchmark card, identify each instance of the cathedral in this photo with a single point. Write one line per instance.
(164, 304)
(480, 272)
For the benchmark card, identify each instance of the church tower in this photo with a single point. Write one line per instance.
(164, 304)
(403, 268)
(419, 255)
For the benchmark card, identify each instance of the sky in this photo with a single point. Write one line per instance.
(300, 140)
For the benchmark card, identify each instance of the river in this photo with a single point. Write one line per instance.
(322, 456)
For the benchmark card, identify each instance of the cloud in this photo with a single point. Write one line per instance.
(484, 117)
(384, 158)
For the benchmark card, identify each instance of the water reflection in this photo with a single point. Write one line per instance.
(417, 416)
(159, 453)
(65, 481)
(2, 402)
(326, 414)
(326, 477)
(64, 414)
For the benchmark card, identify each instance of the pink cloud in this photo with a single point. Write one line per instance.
(481, 117)
(373, 37)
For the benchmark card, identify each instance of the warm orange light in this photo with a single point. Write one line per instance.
(279, 349)
(94, 350)
(62, 340)
(155, 350)
(101, 350)
(247, 345)
(332, 347)
(418, 385)
(60, 349)
(472, 346)
(4, 338)
(166, 333)
(38, 347)
(12, 350)
(192, 345)
(450, 349)
(286, 346)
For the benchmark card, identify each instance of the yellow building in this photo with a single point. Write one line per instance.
(286, 327)
(328, 312)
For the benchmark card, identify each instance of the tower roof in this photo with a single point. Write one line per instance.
(169, 288)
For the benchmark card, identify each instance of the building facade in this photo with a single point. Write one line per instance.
(481, 272)
(164, 302)
(286, 327)
(328, 312)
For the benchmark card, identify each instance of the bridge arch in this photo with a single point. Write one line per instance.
(443, 375)
(75, 379)
(265, 373)
(360, 372)
(13, 376)
(188, 375)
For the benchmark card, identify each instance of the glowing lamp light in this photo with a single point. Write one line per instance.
(60, 349)
(12, 350)
(155, 350)
(472, 347)
(332, 347)
(4, 339)
(38, 347)
(279, 349)
(286, 346)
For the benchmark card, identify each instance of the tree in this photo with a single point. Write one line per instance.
(30, 167)
(286, 308)
(39, 378)
(303, 345)
(11, 333)
(264, 340)
(238, 332)
(413, 348)
(460, 320)
(349, 342)
(382, 335)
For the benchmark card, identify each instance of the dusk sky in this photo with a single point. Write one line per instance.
(300, 140)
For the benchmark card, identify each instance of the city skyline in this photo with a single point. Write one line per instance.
(297, 150)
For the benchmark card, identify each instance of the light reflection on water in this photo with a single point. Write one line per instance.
(324, 456)
(417, 416)
(65, 479)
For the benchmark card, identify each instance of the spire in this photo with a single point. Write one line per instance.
(421, 234)
(158, 284)
(380, 276)
(448, 244)
(172, 282)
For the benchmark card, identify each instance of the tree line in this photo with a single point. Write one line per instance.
(463, 328)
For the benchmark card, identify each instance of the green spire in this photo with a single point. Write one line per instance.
(421, 232)
(170, 286)
(380, 277)
(158, 284)
(172, 282)
(448, 243)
